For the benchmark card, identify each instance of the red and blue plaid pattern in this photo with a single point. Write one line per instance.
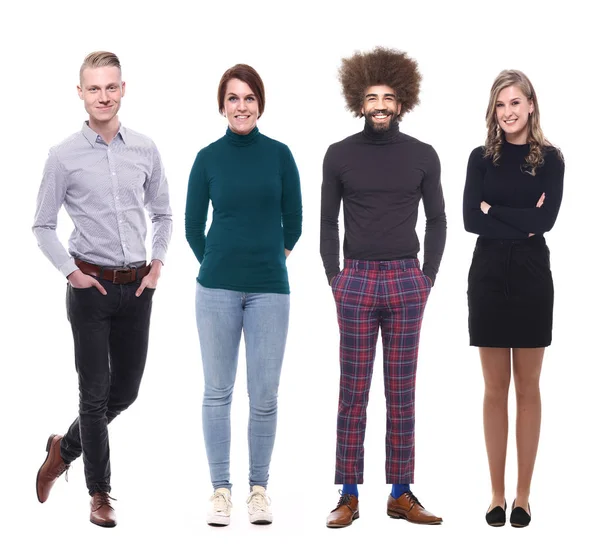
(369, 295)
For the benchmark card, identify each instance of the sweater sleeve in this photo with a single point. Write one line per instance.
(537, 220)
(435, 214)
(196, 207)
(291, 201)
(474, 219)
(331, 198)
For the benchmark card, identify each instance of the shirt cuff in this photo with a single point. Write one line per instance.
(159, 255)
(68, 267)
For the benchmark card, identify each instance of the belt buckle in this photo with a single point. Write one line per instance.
(124, 271)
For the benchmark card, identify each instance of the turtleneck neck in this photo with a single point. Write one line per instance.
(381, 137)
(515, 149)
(242, 139)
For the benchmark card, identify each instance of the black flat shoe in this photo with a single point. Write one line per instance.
(496, 517)
(519, 516)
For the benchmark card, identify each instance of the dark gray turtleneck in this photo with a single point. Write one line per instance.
(381, 177)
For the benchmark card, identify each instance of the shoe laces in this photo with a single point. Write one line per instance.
(413, 499)
(60, 469)
(344, 500)
(258, 501)
(103, 499)
(221, 502)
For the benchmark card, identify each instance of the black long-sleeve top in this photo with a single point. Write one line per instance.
(381, 178)
(512, 193)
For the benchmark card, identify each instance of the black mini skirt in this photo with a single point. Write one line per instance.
(510, 293)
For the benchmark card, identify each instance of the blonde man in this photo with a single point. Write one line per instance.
(106, 176)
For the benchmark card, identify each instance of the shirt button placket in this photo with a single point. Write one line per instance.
(120, 215)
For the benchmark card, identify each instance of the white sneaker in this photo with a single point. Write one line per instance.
(219, 510)
(259, 506)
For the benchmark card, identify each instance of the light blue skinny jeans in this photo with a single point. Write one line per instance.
(221, 316)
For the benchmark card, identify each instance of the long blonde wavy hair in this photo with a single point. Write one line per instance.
(495, 135)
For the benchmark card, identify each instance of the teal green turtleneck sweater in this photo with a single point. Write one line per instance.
(254, 186)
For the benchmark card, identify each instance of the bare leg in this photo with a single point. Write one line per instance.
(496, 374)
(527, 366)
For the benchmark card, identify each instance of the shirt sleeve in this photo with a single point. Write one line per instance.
(49, 201)
(156, 201)
(435, 214)
(331, 198)
(196, 207)
(537, 220)
(475, 220)
(291, 202)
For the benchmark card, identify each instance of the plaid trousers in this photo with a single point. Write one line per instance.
(368, 295)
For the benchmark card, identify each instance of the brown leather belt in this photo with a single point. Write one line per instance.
(118, 276)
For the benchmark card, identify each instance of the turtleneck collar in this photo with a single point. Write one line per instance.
(381, 137)
(242, 139)
(508, 144)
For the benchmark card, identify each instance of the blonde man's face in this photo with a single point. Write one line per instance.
(101, 90)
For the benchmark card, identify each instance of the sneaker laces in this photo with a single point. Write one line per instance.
(220, 502)
(259, 501)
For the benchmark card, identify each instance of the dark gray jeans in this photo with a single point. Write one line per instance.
(111, 341)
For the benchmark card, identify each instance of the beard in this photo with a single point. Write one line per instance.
(383, 126)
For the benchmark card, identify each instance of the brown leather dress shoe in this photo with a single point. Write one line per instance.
(52, 468)
(101, 511)
(409, 508)
(345, 512)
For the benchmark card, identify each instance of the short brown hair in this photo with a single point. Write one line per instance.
(99, 59)
(246, 74)
(385, 66)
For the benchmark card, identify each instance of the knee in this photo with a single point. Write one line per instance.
(93, 405)
(217, 396)
(526, 388)
(497, 390)
(115, 407)
(263, 404)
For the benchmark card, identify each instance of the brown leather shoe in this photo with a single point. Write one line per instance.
(345, 512)
(409, 508)
(52, 468)
(101, 511)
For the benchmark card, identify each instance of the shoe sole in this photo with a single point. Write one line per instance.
(262, 522)
(217, 524)
(497, 524)
(398, 515)
(518, 526)
(107, 524)
(218, 521)
(37, 477)
(339, 526)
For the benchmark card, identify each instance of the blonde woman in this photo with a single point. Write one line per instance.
(512, 196)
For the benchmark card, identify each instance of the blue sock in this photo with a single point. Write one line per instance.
(399, 490)
(350, 489)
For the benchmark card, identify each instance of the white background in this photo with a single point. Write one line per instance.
(173, 55)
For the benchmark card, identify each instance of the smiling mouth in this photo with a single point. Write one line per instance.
(510, 121)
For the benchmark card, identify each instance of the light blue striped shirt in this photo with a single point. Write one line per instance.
(104, 188)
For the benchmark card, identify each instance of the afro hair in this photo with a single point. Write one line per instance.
(385, 66)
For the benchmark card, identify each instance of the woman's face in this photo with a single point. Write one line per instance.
(512, 113)
(241, 107)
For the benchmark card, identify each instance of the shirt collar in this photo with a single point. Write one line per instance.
(94, 138)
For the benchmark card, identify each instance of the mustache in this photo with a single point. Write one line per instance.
(374, 112)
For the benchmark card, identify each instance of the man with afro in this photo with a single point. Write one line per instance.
(381, 175)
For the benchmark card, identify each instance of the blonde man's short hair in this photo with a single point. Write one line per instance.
(99, 59)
